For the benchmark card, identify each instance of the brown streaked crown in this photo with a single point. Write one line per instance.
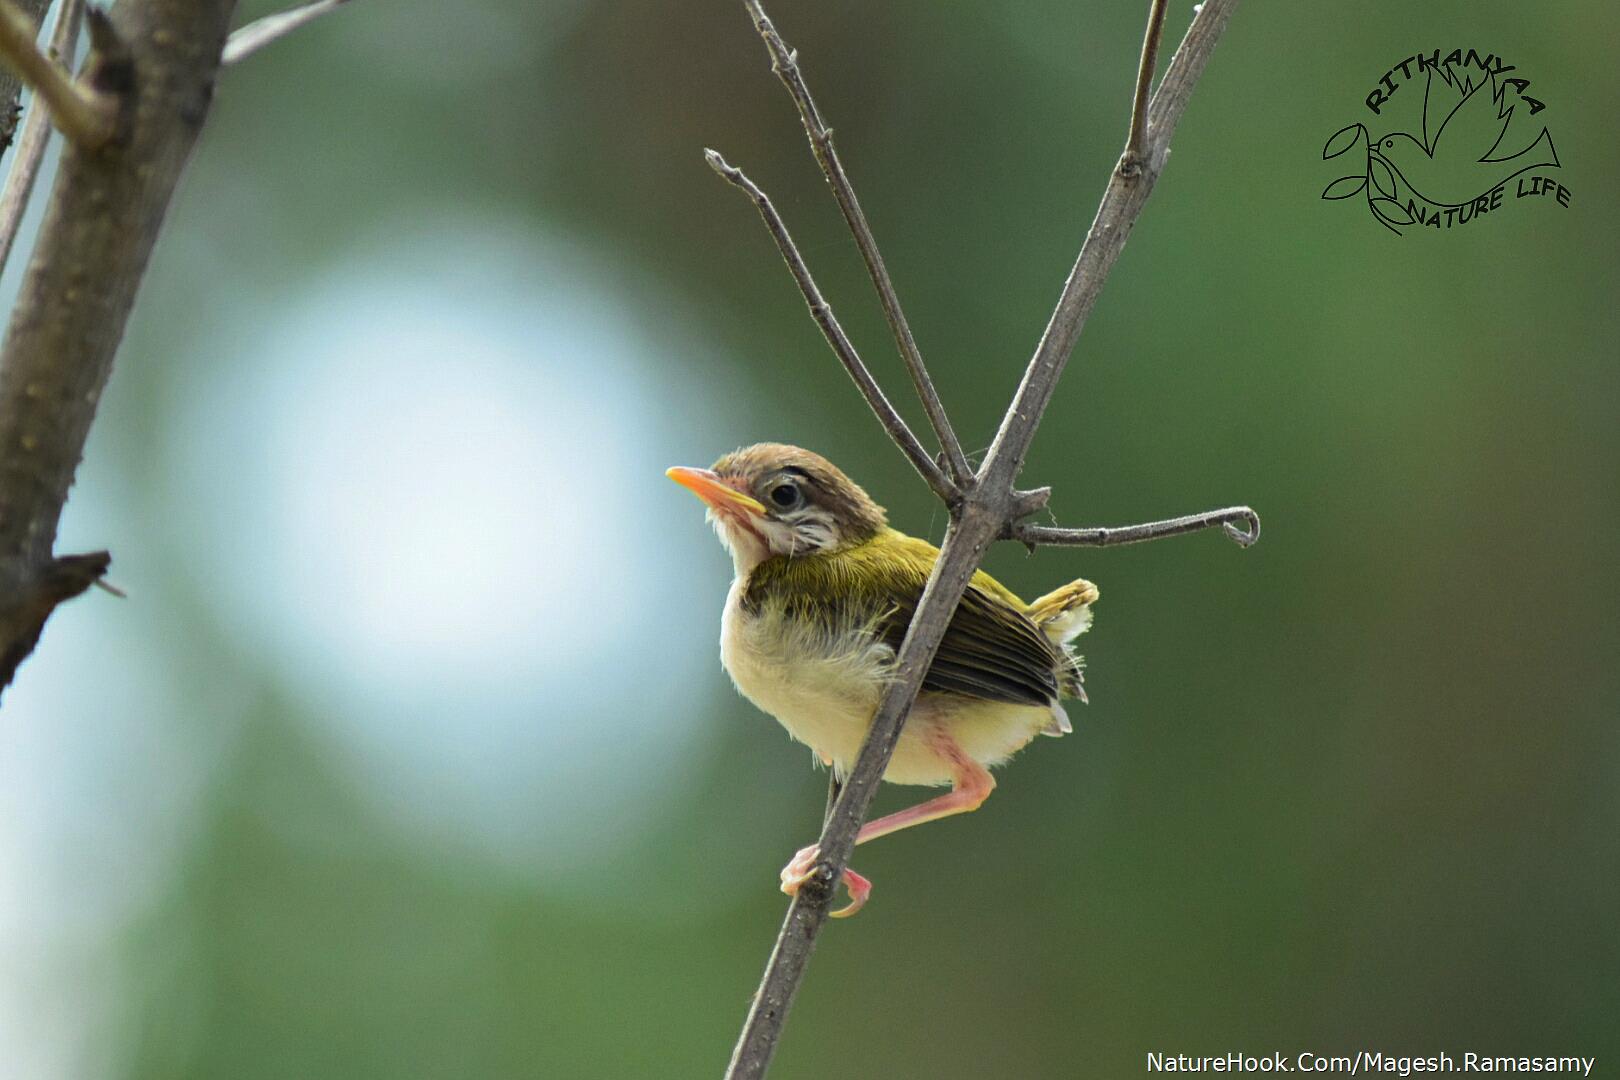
(755, 468)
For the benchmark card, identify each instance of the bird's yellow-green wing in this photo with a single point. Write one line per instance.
(991, 649)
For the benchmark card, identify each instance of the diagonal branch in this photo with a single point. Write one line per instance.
(1229, 521)
(35, 137)
(785, 62)
(85, 113)
(891, 420)
(1121, 205)
(256, 35)
(986, 509)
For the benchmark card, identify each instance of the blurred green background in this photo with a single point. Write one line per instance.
(410, 753)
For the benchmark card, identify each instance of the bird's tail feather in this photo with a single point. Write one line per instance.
(1065, 613)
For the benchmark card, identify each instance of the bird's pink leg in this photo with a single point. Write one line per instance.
(971, 784)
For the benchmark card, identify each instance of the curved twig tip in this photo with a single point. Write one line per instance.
(718, 163)
(1113, 536)
(1244, 537)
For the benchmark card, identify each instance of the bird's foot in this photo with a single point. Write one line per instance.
(803, 866)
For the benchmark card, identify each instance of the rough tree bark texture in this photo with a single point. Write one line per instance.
(99, 229)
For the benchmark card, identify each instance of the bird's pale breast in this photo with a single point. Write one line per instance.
(824, 687)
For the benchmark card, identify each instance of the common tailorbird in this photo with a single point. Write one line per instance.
(823, 594)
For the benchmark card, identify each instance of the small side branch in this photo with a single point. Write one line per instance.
(256, 35)
(36, 136)
(11, 83)
(1241, 525)
(83, 113)
(892, 421)
(25, 613)
(785, 62)
(1131, 163)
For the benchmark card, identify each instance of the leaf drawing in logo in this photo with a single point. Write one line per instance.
(1342, 141)
(1344, 187)
(1391, 212)
(1382, 178)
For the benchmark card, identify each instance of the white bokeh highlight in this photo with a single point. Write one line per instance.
(422, 495)
(431, 495)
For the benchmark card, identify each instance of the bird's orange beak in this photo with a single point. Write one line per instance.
(719, 495)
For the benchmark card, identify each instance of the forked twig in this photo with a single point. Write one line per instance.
(84, 114)
(891, 420)
(989, 507)
(785, 62)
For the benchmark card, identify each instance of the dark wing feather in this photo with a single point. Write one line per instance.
(990, 650)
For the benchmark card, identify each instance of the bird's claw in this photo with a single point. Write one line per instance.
(860, 889)
(802, 867)
(799, 868)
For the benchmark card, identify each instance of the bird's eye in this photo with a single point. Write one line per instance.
(785, 496)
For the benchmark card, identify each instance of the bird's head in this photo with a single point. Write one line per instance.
(771, 499)
(1398, 147)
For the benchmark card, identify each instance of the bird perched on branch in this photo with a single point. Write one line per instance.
(823, 595)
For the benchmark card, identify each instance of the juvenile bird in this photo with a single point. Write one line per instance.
(824, 591)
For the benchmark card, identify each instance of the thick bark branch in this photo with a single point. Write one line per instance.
(988, 507)
(97, 235)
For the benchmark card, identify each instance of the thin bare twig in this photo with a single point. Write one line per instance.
(986, 510)
(36, 135)
(11, 83)
(1144, 82)
(1121, 205)
(82, 113)
(892, 421)
(256, 35)
(1229, 520)
(785, 62)
(834, 786)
